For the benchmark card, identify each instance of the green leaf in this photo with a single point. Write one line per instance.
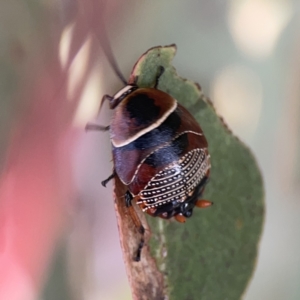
(212, 255)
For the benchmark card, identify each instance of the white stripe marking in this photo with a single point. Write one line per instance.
(148, 129)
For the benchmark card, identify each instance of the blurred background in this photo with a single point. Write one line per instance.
(58, 231)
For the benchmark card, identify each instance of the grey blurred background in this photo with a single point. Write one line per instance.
(245, 56)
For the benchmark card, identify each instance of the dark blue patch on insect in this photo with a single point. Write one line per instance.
(142, 109)
(157, 136)
(170, 153)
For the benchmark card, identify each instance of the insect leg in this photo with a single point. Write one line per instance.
(200, 202)
(138, 224)
(180, 218)
(91, 126)
(203, 203)
(128, 199)
(104, 182)
(104, 98)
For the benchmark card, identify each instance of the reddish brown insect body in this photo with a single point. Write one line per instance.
(159, 152)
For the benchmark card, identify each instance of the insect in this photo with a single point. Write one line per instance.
(159, 152)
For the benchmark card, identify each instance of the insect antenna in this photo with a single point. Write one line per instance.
(94, 12)
(105, 45)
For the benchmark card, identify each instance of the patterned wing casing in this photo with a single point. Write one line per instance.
(177, 181)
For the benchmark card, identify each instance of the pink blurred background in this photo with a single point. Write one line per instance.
(58, 232)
